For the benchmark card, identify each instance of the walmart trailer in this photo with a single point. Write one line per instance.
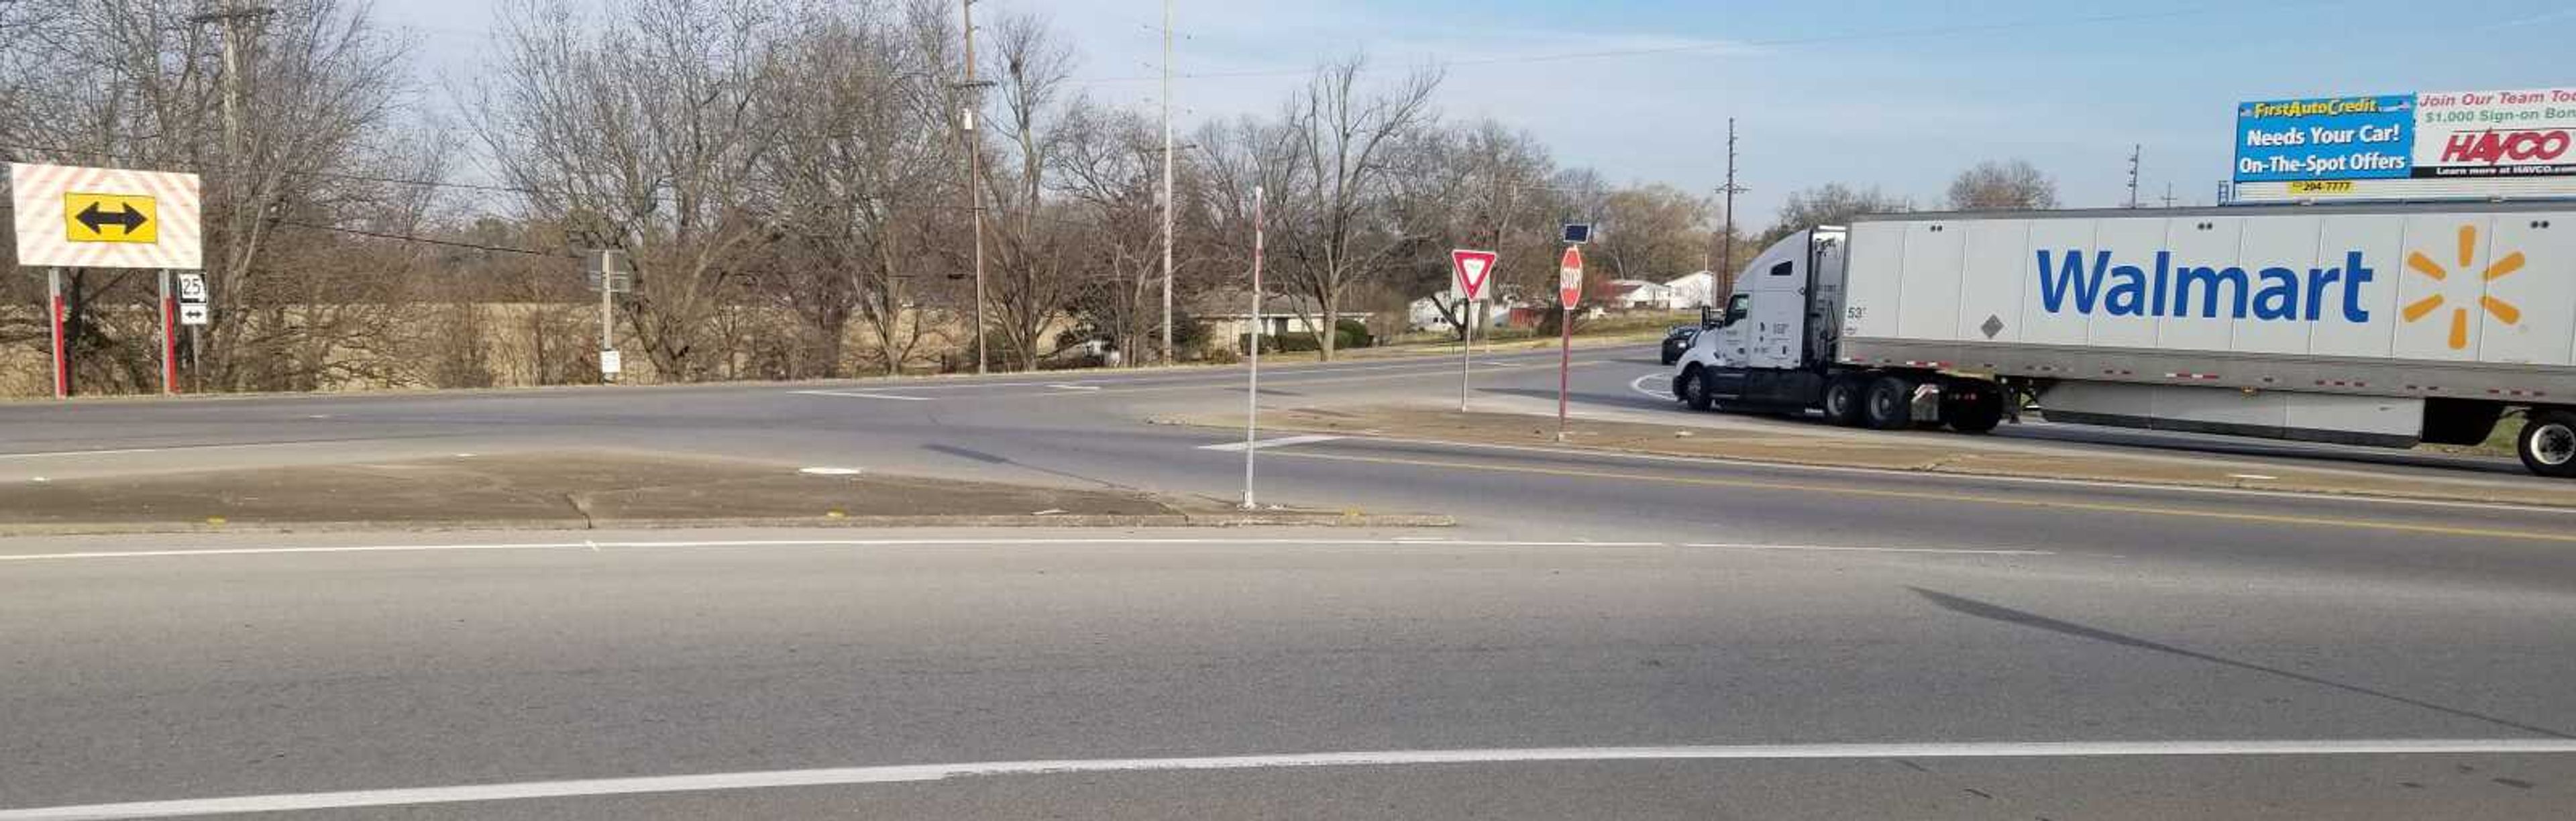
(2383, 325)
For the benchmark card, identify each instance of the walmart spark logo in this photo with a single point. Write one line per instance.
(2503, 311)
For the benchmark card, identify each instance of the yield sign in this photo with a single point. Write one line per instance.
(1474, 270)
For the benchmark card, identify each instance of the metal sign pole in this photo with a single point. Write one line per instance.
(1252, 391)
(1564, 365)
(169, 337)
(54, 319)
(1467, 354)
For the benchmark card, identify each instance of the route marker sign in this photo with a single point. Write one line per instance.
(1569, 277)
(1474, 269)
(192, 299)
(76, 217)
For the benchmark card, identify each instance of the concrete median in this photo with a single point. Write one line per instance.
(580, 490)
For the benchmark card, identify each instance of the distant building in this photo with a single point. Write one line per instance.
(1695, 290)
(1637, 295)
(1228, 314)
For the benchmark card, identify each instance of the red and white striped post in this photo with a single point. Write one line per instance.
(55, 315)
(169, 337)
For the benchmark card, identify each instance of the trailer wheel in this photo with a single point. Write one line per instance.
(1847, 401)
(2548, 443)
(1694, 390)
(1891, 403)
(1981, 411)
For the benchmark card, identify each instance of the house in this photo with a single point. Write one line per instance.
(1426, 314)
(1636, 295)
(1697, 290)
(1228, 314)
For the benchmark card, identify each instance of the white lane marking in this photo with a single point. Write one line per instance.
(865, 395)
(588, 544)
(828, 471)
(1810, 548)
(915, 773)
(1639, 385)
(48, 454)
(1280, 442)
(1067, 386)
(2254, 476)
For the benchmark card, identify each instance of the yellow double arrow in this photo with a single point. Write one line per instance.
(129, 218)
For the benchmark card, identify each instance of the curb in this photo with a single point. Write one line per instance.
(1185, 519)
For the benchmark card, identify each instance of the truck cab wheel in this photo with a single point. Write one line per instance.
(1847, 400)
(1694, 390)
(2548, 443)
(1891, 403)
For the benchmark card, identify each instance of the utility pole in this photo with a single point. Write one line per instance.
(237, 18)
(2135, 152)
(2169, 197)
(974, 174)
(1168, 205)
(1726, 241)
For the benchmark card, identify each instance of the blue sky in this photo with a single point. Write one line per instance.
(1898, 95)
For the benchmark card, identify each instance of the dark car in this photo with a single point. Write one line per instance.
(1679, 341)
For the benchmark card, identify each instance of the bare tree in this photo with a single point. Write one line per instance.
(2005, 185)
(1652, 231)
(1110, 166)
(865, 158)
(1829, 204)
(641, 132)
(1348, 232)
(1035, 69)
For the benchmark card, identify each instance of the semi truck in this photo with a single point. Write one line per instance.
(2372, 324)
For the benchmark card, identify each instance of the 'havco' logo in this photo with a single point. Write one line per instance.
(2491, 147)
(2503, 311)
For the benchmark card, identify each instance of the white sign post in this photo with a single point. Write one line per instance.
(1474, 270)
(70, 217)
(1252, 391)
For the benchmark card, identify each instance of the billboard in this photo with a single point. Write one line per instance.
(2443, 145)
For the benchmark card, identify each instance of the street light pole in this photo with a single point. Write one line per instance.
(1167, 182)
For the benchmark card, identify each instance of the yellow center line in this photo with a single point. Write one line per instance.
(1935, 496)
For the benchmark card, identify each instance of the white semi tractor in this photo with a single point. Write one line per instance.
(2383, 325)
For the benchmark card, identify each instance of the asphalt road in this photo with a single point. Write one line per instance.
(1621, 637)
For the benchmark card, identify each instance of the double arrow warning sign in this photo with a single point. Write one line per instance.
(105, 217)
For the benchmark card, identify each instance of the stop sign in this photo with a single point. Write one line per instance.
(1569, 277)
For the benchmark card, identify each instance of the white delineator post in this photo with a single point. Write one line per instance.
(1252, 391)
